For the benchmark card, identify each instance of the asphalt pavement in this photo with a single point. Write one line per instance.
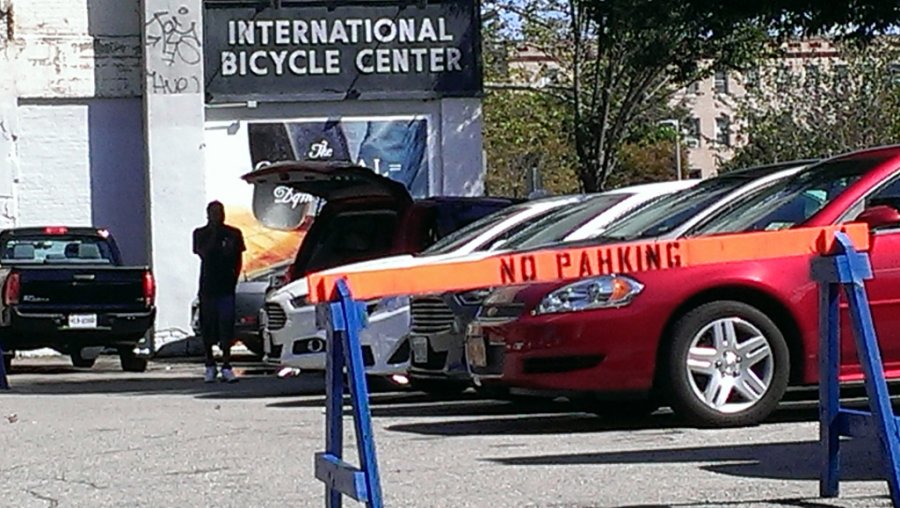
(104, 438)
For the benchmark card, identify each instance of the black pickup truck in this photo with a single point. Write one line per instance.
(66, 289)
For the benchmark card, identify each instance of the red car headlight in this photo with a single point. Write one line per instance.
(594, 293)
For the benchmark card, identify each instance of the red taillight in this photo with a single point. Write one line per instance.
(56, 230)
(149, 289)
(12, 289)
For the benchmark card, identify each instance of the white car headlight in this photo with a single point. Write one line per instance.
(593, 293)
(299, 302)
(474, 297)
(389, 304)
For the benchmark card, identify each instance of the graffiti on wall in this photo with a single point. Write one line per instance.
(174, 51)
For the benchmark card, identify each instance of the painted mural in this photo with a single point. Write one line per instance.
(396, 147)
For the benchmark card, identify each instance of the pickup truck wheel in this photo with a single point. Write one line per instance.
(728, 365)
(130, 362)
(80, 361)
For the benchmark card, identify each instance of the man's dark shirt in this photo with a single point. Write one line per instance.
(220, 250)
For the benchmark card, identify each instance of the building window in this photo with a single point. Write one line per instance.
(693, 88)
(751, 78)
(841, 74)
(784, 79)
(813, 75)
(721, 82)
(894, 70)
(723, 130)
(692, 131)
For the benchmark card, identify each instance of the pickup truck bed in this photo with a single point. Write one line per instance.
(66, 289)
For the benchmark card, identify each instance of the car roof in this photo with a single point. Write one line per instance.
(671, 185)
(755, 172)
(457, 200)
(42, 230)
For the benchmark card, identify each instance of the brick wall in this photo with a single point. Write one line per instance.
(76, 48)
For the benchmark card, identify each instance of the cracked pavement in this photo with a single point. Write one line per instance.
(104, 438)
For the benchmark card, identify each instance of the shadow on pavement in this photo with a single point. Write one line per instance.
(55, 377)
(790, 502)
(777, 461)
(416, 404)
(555, 418)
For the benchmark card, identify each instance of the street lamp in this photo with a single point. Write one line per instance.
(677, 126)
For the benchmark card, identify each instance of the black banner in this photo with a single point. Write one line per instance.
(342, 51)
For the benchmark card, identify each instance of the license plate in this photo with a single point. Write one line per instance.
(475, 352)
(83, 321)
(419, 347)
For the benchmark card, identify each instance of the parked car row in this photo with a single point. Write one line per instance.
(720, 344)
(293, 337)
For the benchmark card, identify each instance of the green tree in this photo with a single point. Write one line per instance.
(824, 110)
(620, 61)
(860, 19)
(648, 158)
(524, 130)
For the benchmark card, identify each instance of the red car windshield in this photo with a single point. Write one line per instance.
(789, 202)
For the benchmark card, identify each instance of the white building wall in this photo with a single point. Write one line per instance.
(54, 185)
(73, 117)
(76, 48)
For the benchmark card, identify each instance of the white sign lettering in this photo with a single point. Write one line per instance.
(320, 150)
(295, 47)
(287, 196)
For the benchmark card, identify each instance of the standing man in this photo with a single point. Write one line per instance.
(220, 248)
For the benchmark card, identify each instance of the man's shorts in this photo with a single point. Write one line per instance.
(217, 320)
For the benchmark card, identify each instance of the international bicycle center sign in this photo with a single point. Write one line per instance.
(359, 50)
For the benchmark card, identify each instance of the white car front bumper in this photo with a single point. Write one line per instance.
(299, 343)
(291, 336)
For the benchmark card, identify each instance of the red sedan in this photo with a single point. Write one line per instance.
(719, 343)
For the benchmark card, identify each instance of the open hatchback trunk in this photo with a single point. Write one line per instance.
(362, 214)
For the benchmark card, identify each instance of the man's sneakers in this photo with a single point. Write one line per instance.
(228, 375)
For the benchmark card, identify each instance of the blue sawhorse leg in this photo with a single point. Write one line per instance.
(345, 319)
(849, 269)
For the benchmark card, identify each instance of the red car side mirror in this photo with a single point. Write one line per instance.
(879, 216)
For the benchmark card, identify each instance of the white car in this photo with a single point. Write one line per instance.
(292, 327)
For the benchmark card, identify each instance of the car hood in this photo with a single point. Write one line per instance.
(298, 288)
(407, 261)
(248, 287)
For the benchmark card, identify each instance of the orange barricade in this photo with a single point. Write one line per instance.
(572, 263)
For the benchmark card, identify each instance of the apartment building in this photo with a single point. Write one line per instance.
(711, 132)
